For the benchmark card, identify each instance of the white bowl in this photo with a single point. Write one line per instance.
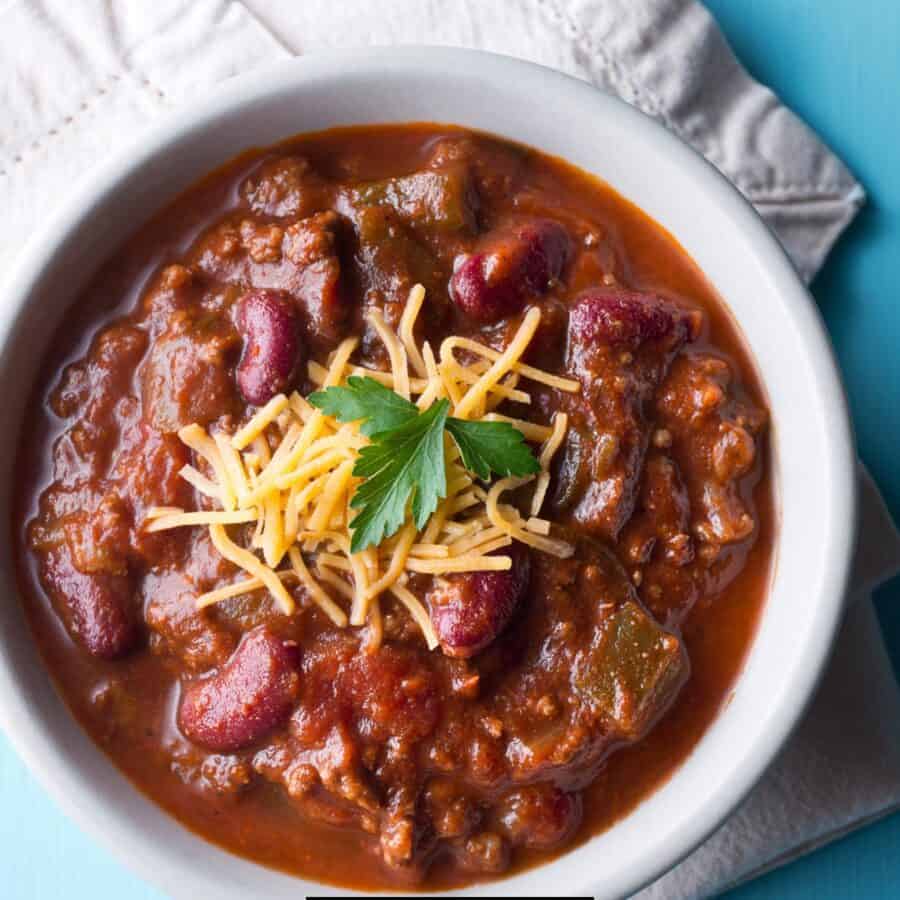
(812, 440)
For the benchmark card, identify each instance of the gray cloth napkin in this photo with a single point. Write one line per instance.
(106, 67)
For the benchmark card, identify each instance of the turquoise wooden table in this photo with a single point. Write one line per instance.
(837, 62)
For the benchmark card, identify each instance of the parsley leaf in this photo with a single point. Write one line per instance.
(492, 447)
(379, 408)
(406, 457)
(407, 460)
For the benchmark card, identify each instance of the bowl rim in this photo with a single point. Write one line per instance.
(33, 743)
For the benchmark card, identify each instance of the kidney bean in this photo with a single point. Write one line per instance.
(248, 697)
(469, 610)
(539, 816)
(273, 351)
(546, 247)
(620, 317)
(95, 607)
(497, 280)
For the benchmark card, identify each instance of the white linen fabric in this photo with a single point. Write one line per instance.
(76, 75)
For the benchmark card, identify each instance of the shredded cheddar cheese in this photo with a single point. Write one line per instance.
(285, 478)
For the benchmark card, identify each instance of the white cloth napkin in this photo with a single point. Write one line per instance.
(77, 75)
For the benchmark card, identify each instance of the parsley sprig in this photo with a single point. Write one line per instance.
(404, 466)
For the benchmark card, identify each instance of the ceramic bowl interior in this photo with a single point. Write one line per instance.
(812, 439)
